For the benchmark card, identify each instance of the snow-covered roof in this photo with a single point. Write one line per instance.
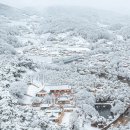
(57, 87)
(53, 116)
(42, 92)
(33, 89)
(45, 105)
(55, 110)
(63, 98)
(68, 106)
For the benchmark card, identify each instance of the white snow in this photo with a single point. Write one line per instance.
(32, 90)
(45, 105)
(78, 49)
(27, 100)
(120, 38)
(56, 87)
(102, 25)
(66, 119)
(110, 43)
(88, 127)
(41, 59)
(16, 23)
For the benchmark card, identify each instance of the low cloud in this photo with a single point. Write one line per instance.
(121, 6)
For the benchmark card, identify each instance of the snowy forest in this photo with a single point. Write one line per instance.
(64, 68)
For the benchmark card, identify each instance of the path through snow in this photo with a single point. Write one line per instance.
(66, 119)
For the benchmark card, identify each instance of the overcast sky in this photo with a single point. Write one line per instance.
(122, 6)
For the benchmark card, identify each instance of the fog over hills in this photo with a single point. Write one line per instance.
(119, 6)
(64, 67)
(11, 12)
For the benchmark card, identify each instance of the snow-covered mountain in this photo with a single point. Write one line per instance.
(11, 12)
(84, 48)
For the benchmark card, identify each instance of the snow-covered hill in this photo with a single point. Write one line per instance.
(11, 12)
(85, 48)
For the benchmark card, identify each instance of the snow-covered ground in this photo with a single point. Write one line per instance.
(26, 100)
(32, 90)
(41, 59)
(102, 25)
(107, 62)
(66, 123)
(110, 43)
(78, 49)
(88, 127)
(120, 38)
(66, 119)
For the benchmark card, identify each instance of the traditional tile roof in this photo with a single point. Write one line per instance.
(42, 92)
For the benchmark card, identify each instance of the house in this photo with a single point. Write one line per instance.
(41, 93)
(56, 90)
(68, 108)
(64, 100)
(36, 102)
(45, 106)
(54, 117)
(54, 110)
(59, 89)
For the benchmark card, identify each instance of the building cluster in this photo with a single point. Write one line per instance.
(55, 101)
